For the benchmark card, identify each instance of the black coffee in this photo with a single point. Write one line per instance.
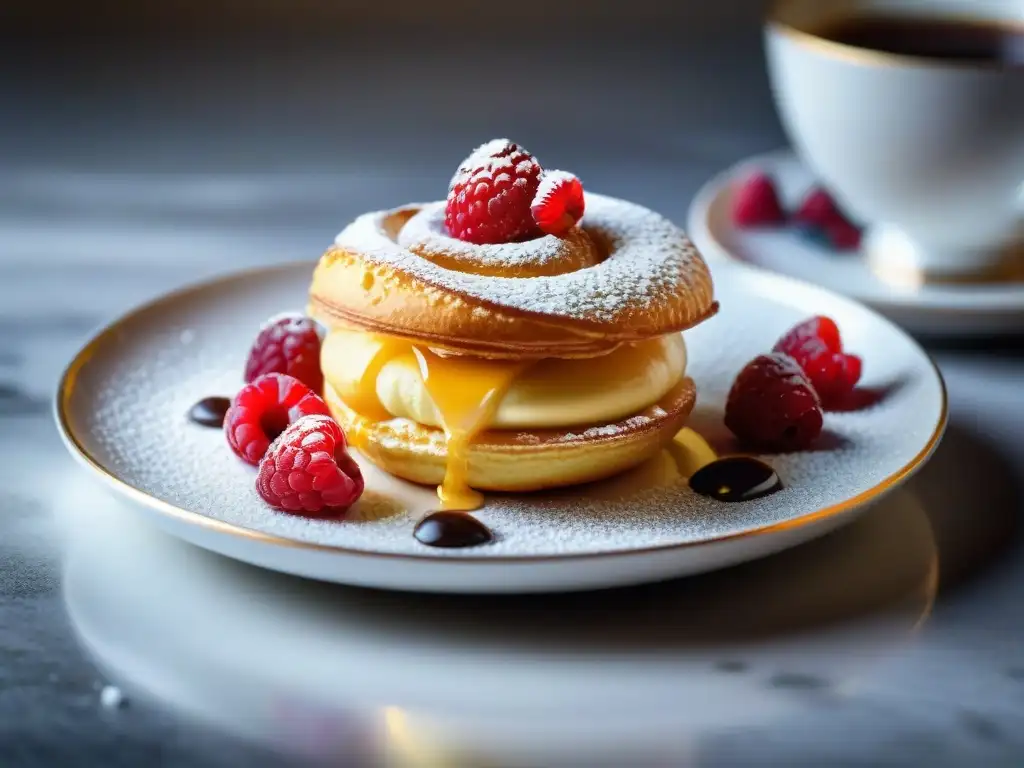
(933, 38)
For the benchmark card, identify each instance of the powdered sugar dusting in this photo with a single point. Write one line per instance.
(651, 261)
(609, 430)
(550, 181)
(490, 159)
(425, 232)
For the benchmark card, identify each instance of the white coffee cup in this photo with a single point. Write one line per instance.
(927, 152)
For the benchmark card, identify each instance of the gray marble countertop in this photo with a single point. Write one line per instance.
(146, 170)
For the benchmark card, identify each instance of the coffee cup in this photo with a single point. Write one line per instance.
(911, 113)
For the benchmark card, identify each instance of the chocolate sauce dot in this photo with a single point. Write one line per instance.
(210, 411)
(736, 478)
(452, 530)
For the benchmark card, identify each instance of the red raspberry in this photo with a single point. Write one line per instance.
(842, 235)
(308, 469)
(818, 207)
(287, 343)
(859, 399)
(818, 327)
(559, 203)
(772, 405)
(490, 195)
(852, 366)
(757, 203)
(263, 410)
(816, 346)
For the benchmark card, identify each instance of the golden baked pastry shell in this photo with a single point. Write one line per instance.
(520, 461)
(359, 289)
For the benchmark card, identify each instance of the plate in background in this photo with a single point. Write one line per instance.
(930, 308)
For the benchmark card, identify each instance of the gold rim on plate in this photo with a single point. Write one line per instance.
(76, 446)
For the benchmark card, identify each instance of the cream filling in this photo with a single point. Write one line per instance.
(552, 393)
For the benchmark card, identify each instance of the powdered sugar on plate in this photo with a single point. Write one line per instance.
(650, 263)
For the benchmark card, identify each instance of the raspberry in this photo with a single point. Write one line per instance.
(490, 195)
(818, 207)
(308, 469)
(757, 203)
(816, 346)
(818, 327)
(812, 234)
(287, 343)
(263, 410)
(859, 399)
(852, 366)
(558, 205)
(820, 211)
(772, 405)
(842, 235)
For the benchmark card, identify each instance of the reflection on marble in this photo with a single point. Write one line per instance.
(839, 633)
(575, 679)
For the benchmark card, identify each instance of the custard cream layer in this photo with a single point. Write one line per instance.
(549, 394)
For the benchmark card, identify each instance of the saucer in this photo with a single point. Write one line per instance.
(122, 405)
(962, 309)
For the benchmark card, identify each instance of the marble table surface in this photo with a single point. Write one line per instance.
(147, 170)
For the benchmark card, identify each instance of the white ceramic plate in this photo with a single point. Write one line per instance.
(122, 404)
(931, 308)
